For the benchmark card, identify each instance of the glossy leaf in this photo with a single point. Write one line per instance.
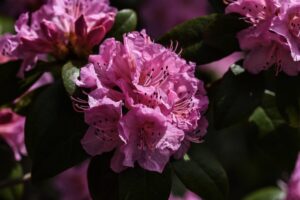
(126, 21)
(235, 97)
(69, 74)
(271, 193)
(267, 117)
(52, 133)
(133, 184)
(202, 174)
(206, 39)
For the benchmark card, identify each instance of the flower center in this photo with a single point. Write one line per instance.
(255, 12)
(154, 77)
(148, 137)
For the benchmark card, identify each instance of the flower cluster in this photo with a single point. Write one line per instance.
(143, 101)
(60, 28)
(273, 38)
(12, 131)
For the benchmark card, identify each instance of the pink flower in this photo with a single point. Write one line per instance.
(8, 44)
(12, 131)
(187, 196)
(287, 24)
(102, 135)
(151, 103)
(72, 184)
(61, 28)
(293, 187)
(170, 13)
(148, 139)
(267, 41)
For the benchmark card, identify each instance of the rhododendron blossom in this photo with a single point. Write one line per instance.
(12, 131)
(143, 100)
(271, 40)
(61, 28)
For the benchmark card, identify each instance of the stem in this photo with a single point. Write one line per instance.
(14, 182)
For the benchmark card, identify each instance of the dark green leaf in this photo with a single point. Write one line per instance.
(11, 85)
(52, 133)
(14, 192)
(103, 182)
(139, 184)
(235, 97)
(126, 21)
(202, 174)
(271, 193)
(267, 117)
(69, 75)
(133, 184)
(207, 38)
(10, 170)
(288, 98)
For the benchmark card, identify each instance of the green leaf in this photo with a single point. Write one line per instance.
(10, 170)
(69, 75)
(271, 193)
(6, 25)
(126, 21)
(11, 85)
(52, 133)
(206, 39)
(133, 184)
(267, 117)
(202, 174)
(235, 97)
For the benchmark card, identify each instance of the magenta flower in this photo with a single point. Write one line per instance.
(8, 45)
(61, 28)
(149, 139)
(269, 40)
(12, 131)
(293, 187)
(287, 24)
(143, 101)
(72, 184)
(102, 135)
